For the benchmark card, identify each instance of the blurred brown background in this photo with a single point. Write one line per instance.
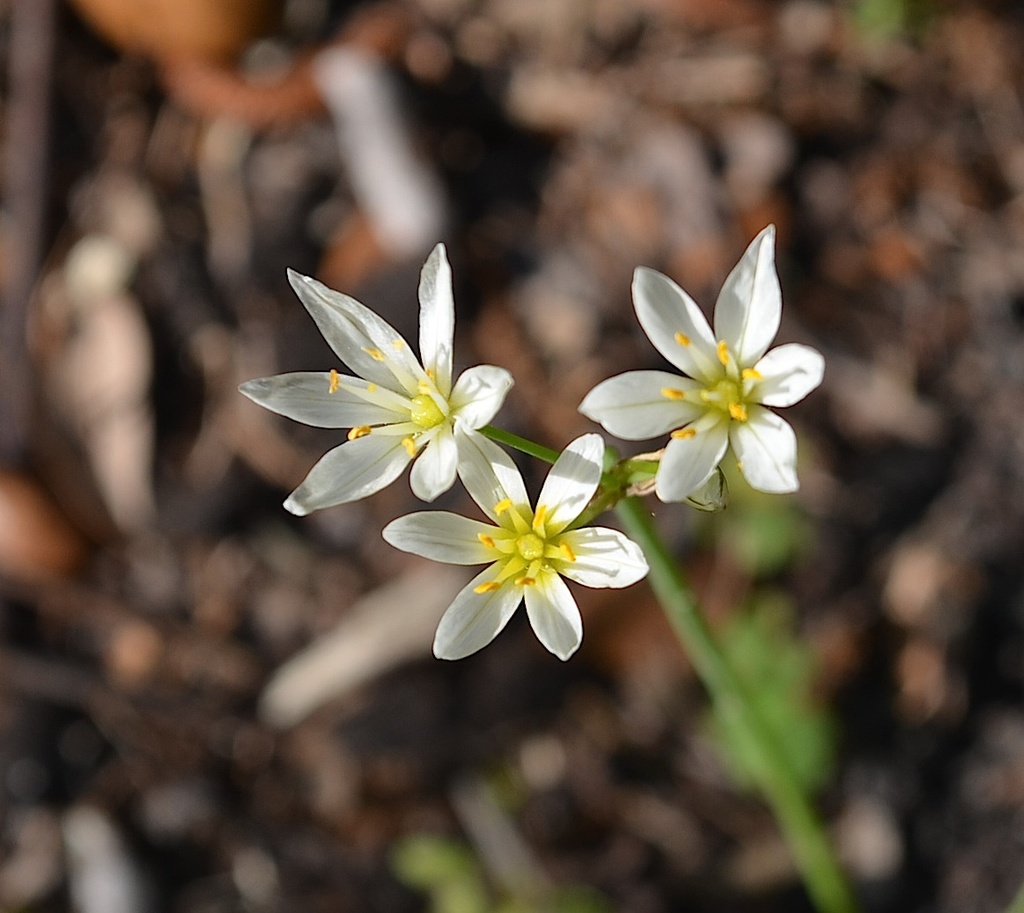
(165, 162)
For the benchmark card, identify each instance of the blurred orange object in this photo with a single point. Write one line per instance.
(212, 30)
(36, 541)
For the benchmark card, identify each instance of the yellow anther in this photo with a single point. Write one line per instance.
(410, 446)
(335, 380)
(424, 387)
(673, 393)
(371, 388)
(566, 550)
(683, 433)
(751, 374)
(738, 411)
(431, 373)
(538, 518)
(487, 540)
(682, 339)
(526, 581)
(375, 354)
(489, 587)
(397, 344)
(361, 431)
(723, 352)
(503, 505)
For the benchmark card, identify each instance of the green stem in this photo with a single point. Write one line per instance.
(823, 877)
(520, 443)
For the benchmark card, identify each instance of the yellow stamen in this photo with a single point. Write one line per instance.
(503, 505)
(371, 388)
(683, 433)
(526, 581)
(566, 550)
(487, 540)
(682, 339)
(375, 354)
(361, 431)
(335, 380)
(538, 518)
(723, 353)
(751, 374)
(738, 411)
(397, 344)
(672, 393)
(489, 587)
(424, 387)
(410, 446)
(431, 373)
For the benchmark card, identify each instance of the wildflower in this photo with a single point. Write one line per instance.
(398, 410)
(527, 551)
(731, 380)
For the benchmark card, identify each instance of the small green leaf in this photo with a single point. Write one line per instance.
(778, 670)
(425, 861)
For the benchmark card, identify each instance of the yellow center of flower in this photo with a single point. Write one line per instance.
(523, 548)
(731, 395)
(530, 547)
(425, 411)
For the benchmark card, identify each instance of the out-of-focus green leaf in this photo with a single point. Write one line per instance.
(451, 876)
(778, 669)
(426, 861)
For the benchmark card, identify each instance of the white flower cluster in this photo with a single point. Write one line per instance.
(401, 411)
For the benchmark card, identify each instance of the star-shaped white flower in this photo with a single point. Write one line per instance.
(397, 409)
(527, 551)
(730, 380)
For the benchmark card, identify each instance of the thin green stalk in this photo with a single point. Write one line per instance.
(823, 877)
(520, 443)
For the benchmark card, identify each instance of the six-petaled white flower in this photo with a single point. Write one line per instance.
(730, 380)
(397, 409)
(527, 551)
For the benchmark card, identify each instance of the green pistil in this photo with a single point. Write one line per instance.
(424, 411)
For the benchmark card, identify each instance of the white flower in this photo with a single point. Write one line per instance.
(730, 380)
(527, 551)
(398, 411)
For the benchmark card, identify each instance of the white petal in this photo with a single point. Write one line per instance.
(665, 311)
(353, 331)
(689, 462)
(354, 470)
(433, 473)
(305, 397)
(790, 372)
(633, 407)
(488, 472)
(479, 393)
(554, 615)
(572, 481)
(765, 446)
(604, 558)
(437, 318)
(440, 536)
(474, 619)
(749, 306)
